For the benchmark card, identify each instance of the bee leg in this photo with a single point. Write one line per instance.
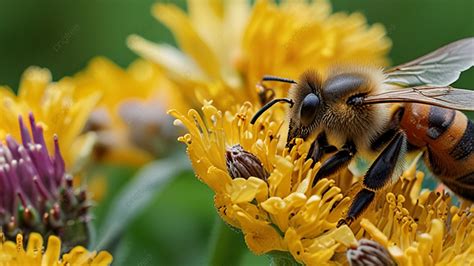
(267, 94)
(393, 127)
(378, 175)
(360, 202)
(339, 160)
(319, 147)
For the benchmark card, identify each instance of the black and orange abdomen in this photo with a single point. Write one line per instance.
(448, 136)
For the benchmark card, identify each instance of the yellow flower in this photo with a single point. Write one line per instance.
(54, 105)
(12, 254)
(420, 228)
(260, 187)
(264, 190)
(227, 46)
(140, 88)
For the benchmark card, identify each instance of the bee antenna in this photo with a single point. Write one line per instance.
(268, 105)
(279, 79)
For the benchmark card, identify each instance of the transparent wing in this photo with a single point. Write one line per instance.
(460, 99)
(439, 68)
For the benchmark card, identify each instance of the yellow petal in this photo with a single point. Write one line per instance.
(33, 84)
(374, 232)
(35, 246)
(53, 250)
(178, 65)
(295, 246)
(77, 255)
(224, 208)
(260, 236)
(103, 258)
(281, 209)
(437, 231)
(342, 235)
(245, 190)
(188, 39)
(217, 179)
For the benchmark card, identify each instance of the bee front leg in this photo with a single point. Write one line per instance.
(341, 159)
(266, 94)
(378, 175)
(319, 147)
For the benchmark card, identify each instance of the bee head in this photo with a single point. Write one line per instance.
(333, 104)
(309, 106)
(306, 106)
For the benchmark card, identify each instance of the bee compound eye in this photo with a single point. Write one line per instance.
(309, 107)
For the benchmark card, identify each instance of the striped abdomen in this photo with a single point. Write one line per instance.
(448, 136)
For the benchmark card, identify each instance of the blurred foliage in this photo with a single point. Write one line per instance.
(63, 36)
(418, 27)
(176, 228)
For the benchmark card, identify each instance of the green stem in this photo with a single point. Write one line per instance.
(226, 245)
(281, 258)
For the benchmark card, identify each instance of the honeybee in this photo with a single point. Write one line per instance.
(360, 111)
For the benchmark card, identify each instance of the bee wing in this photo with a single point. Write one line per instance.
(439, 68)
(460, 99)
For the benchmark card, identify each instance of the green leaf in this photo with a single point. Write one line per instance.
(117, 177)
(136, 196)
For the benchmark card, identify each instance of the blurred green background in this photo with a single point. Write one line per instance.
(64, 35)
(176, 228)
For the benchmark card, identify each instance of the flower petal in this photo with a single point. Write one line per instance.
(188, 39)
(260, 236)
(246, 190)
(178, 65)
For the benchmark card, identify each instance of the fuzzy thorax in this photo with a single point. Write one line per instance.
(358, 124)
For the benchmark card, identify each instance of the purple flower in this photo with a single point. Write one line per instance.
(36, 193)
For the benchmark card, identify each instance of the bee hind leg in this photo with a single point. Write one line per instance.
(377, 177)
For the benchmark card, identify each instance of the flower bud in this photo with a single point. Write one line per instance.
(369, 252)
(241, 163)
